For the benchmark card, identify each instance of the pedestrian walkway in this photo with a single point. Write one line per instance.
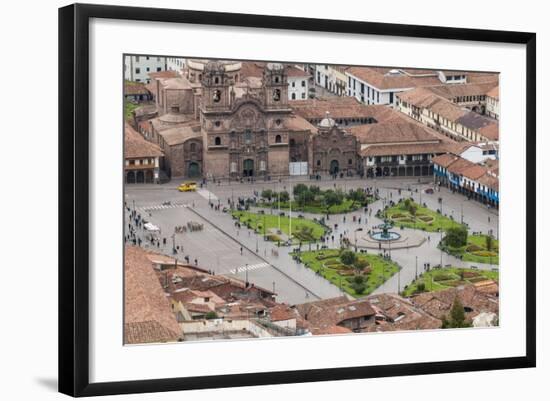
(162, 207)
(206, 194)
(246, 268)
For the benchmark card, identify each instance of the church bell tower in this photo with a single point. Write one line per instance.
(215, 84)
(275, 86)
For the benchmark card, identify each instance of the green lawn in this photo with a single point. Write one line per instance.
(425, 219)
(327, 263)
(476, 250)
(317, 207)
(302, 229)
(440, 279)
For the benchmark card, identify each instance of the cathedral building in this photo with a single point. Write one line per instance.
(244, 126)
(218, 122)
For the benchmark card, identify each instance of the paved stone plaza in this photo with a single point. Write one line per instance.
(225, 249)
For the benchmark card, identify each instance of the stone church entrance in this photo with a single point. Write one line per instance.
(248, 168)
(334, 167)
(194, 169)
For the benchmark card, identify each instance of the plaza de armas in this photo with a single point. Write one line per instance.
(252, 214)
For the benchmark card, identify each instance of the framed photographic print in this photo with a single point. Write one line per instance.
(250, 199)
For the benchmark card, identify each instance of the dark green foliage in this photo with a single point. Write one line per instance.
(348, 257)
(456, 236)
(457, 317)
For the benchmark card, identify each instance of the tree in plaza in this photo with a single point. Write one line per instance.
(305, 197)
(357, 196)
(267, 194)
(489, 242)
(358, 283)
(348, 257)
(305, 233)
(284, 196)
(457, 317)
(332, 198)
(406, 204)
(456, 236)
(413, 209)
(298, 189)
(360, 265)
(315, 190)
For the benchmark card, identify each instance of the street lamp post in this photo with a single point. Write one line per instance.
(246, 274)
(416, 269)
(441, 248)
(398, 280)
(355, 236)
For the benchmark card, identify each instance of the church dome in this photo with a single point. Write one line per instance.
(327, 122)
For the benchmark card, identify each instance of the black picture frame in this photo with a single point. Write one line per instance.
(74, 198)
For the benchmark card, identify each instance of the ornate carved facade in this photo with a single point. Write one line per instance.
(244, 126)
(334, 150)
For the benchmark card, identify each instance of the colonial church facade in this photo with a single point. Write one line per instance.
(216, 122)
(244, 127)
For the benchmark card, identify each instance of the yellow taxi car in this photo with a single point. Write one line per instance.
(187, 187)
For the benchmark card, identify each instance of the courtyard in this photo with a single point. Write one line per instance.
(249, 253)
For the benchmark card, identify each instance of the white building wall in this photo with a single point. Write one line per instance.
(175, 64)
(493, 107)
(216, 326)
(298, 88)
(137, 68)
(368, 94)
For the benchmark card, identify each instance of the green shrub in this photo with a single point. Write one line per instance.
(358, 288)
(443, 277)
(456, 236)
(473, 248)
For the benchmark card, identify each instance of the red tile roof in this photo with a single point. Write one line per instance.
(135, 146)
(147, 313)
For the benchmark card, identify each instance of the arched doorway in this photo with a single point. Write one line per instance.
(334, 167)
(248, 168)
(149, 177)
(140, 177)
(194, 169)
(131, 177)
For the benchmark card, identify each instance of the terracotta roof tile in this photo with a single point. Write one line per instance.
(135, 146)
(392, 132)
(147, 313)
